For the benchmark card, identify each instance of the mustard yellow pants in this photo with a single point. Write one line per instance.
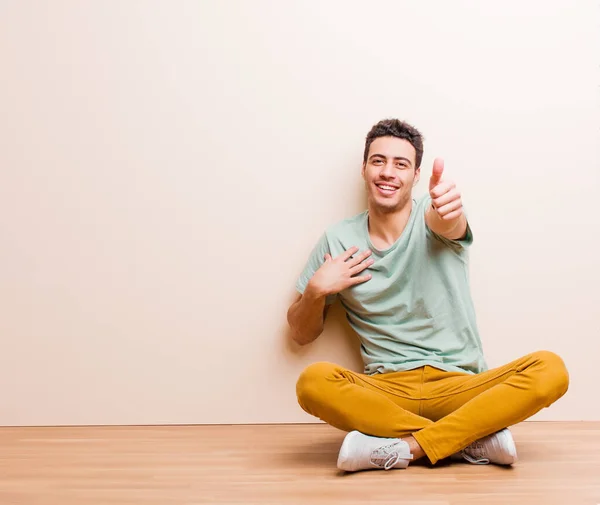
(444, 411)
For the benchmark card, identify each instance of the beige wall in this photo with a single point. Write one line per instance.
(166, 168)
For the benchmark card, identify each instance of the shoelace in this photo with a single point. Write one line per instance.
(392, 457)
(475, 453)
(391, 461)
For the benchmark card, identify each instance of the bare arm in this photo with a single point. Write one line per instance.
(306, 316)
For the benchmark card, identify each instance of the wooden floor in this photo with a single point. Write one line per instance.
(559, 464)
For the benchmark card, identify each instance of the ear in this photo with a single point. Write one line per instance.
(417, 176)
(362, 171)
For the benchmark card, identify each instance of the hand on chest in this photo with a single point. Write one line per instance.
(395, 279)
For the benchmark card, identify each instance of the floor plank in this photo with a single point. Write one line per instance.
(559, 464)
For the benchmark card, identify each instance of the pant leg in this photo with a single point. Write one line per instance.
(470, 407)
(383, 405)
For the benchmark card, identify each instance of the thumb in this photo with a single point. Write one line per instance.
(436, 174)
(327, 257)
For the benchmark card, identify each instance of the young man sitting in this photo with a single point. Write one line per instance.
(400, 270)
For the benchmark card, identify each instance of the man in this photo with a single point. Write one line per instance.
(400, 270)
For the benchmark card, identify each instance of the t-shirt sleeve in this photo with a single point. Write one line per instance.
(464, 241)
(314, 262)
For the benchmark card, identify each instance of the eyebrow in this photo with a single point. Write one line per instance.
(396, 158)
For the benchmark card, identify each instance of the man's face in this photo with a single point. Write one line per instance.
(390, 173)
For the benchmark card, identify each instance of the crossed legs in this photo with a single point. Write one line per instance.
(443, 411)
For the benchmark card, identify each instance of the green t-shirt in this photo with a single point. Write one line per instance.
(416, 310)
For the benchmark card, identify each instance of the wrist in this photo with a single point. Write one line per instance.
(314, 293)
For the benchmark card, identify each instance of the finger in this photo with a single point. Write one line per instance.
(450, 207)
(327, 257)
(452, 195)
(348, 253)
(360, 258)
(360, 279)
(436, 174)
(360, 267)
(441, 189)
(453, 215)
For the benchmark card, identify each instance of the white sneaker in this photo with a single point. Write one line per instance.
(498, 448)
(363, 452)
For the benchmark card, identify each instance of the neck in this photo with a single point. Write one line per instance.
(386, 227)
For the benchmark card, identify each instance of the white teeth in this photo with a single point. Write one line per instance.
(389, 188)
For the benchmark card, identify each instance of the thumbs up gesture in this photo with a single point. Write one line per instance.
(445, 198)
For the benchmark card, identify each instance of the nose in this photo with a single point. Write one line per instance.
(387, 170)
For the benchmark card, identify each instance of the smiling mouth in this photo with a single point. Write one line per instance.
(386, 189)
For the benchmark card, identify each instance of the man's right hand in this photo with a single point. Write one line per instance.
(340, 273)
